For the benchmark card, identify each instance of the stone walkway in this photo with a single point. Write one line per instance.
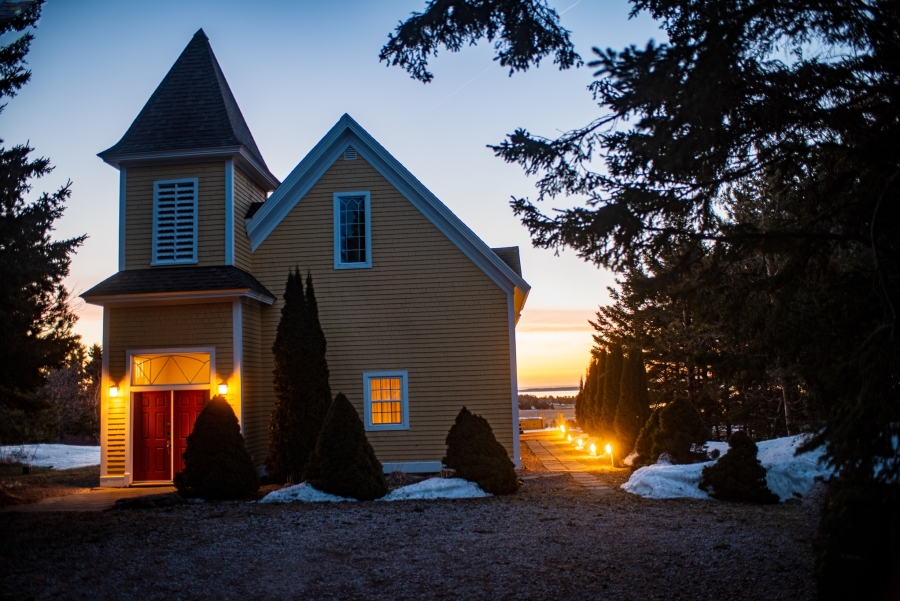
(96, 499)
(555, 453)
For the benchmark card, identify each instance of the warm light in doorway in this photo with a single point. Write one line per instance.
(223, 388)
(113, 392)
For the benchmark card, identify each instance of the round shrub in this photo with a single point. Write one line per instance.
(343, 462)
(680, 426)
(216, 462)
(738, 475)
(474, 453)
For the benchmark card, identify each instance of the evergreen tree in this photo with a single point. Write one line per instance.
(475, 454)
(587, 404)
(633, 409)
(595, 402)
(344, 463)
(579, 402)
(680, 427)
(612, 384)
(644, 444)
(738, 475)
(217, 464)
(35, 318)
(302, 392)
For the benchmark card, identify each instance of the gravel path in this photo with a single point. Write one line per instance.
(552, 540)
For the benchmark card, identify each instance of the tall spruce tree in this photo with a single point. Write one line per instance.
(302, 392)
(612, 384)
(35, 318)
(633, 410)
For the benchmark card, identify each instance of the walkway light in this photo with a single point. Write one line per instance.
(569, 437)
(593, 450)
(562, 428)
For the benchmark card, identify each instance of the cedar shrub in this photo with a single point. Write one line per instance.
(644, 445)
(474, 453)
(738, 475)
(343, 462)
(680, 426)
(612, 383)
(633, 409)
(216, 462)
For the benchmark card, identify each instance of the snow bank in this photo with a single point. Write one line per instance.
(786, 473)
(433, 488)
(667, 481)
(301, 492)
(437, 488)
(59, 456)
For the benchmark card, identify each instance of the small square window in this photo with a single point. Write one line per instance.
(352, 230)
(386, 403)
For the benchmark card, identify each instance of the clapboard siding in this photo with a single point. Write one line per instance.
(246, 192)
(423, 307)
(257, 406)
(170, 326)
(139, 211)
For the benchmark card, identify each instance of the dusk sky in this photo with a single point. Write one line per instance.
(295, 68)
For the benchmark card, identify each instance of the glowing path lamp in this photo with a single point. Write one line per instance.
(609, 452)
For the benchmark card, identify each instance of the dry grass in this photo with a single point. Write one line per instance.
(16, 488)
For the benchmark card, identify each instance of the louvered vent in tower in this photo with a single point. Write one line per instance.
(350, 154)
(175, 221)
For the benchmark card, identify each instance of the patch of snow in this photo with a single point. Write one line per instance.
(786, 475)
(630, 459)
(437, 488)
(433, 488)
(57, 456)
(666, 481)
(302, 492)
(721, 447)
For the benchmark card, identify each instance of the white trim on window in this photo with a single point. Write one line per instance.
(367, 208)
(171, 245)
(367, 400)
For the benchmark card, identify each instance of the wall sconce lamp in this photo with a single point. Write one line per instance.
(223, 388)
(113, 392)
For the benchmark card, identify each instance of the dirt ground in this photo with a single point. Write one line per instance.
(552, 540)
(16, 488)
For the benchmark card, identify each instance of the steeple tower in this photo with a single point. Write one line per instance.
(192, 116)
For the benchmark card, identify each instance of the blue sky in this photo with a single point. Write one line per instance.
(295, 68)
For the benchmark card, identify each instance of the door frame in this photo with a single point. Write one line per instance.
(128, 391)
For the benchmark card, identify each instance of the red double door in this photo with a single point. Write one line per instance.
(163, 421)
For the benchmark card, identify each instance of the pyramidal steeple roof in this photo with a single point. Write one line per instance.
(192, 109)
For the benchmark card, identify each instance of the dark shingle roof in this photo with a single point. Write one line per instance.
(254, 207)
(177, 279)
(510, 256)
(192, 108)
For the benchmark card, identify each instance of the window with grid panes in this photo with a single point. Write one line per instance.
(352, 235)
(386, 402)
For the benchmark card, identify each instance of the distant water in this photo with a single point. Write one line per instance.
(539, 392)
